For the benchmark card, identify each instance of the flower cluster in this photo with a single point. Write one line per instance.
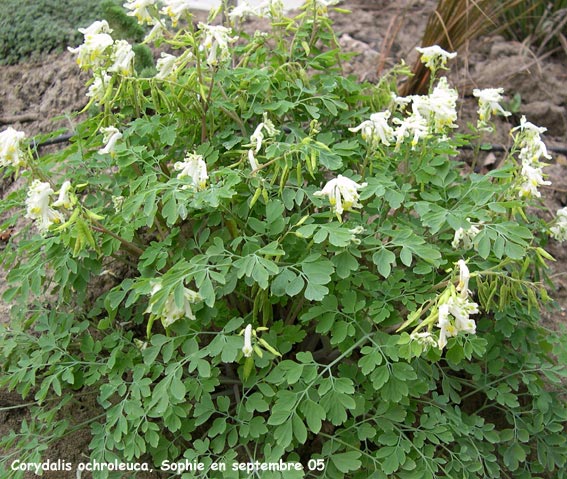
(38, 204)
(489, 104)
(430, 114)
(11, 151)
(464, 237)
(454, 309)
(141, 9)
(342, 193)
(532, 149)
(194, 168)
(170, 311)
(559, 230)
(434, 57)
(216, 43)
(257, 139)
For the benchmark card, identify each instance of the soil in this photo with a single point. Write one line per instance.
(32, 95)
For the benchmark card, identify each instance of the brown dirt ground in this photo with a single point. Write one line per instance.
(40, 91)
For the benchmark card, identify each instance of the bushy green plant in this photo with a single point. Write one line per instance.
(29, 28)
(252, 258)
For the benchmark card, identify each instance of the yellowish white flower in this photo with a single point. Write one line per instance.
(111, 136)
(532, 177)
(454, 318)
(342, 193)
(559, 229)
(141, 10)
(11, 151)
(122, 58)
(174, 9)
(424, 338)
(98, 88)
(464, 237)
(194, 168)
(464, 277)
(165, 66)
(376, 130)
(414, 126)
(245, 10)
(247, 349)
(489, 104)
(216, 43)
(444, 323)
(38, 207)
(257, 139)
(440, 107)
(65, 199)
(93, 53)
(170, 311)
(435, 57)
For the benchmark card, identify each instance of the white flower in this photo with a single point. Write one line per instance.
(414, 126)
(247, 349)
(38, 207)
(464, 277)
(244, 10)
(11, 152)
(64, 200)
(376, 130)
(440, 107)
(435, 57)
(170, 312)
(92, 53)
(559, 230)
(257, 139)
(174, 9)
(123, 58)
(139, 9)
(215, 44)
(97, 90)
(460, 308)
(111, 136)
(424, 338)
(489, 104)
(465, 237)
(532, 178)
(165, 66)
(195, 168)
(343, 194)
(448, 329)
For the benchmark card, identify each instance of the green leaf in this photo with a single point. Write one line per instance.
(347, 461)
(314, 415)
(384, 259)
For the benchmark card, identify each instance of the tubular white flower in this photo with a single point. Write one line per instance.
(414, 126)
(460, 308)
(123, 58)
(244, 10)
(439, 108)
(139, 9)
(465, 237)
(170, 312)
(464, 277)
(165, 66)
(559, 230)
(174, 9)
(215, 43)
(532, 178)
(435, 57)
(424, 337)
(155, 33)
(111, 136)
(448, 330)
(343, 194)
(93, 52)
(489, 104)
(247, 349)
(38, 207)
(376, 130)
(257, 139)
(65, 200)
(195, 168)
(97, 90)
(11, 152)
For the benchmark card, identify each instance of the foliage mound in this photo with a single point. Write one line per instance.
(252, 260)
